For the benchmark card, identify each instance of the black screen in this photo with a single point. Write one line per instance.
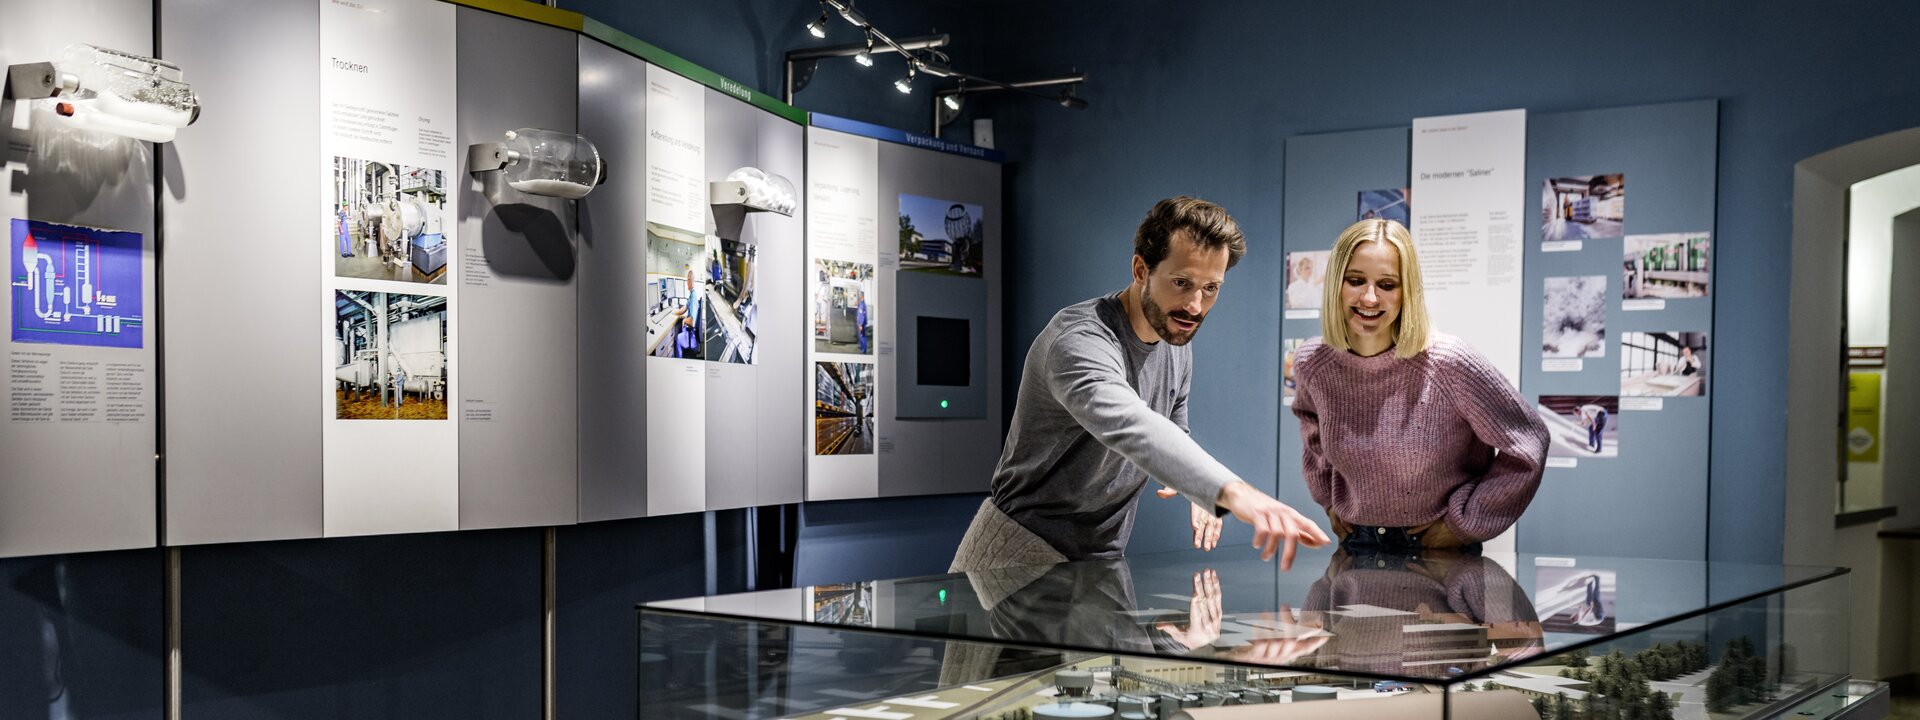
(943, 351)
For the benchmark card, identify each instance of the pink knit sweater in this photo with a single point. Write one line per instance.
(1397, 443)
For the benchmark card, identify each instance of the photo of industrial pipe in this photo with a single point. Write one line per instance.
(843, 408)
(390, 356)
(1583, 208)
(843, 307)
(388, 222)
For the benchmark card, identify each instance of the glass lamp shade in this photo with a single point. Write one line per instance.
(124, 94)
(766, 190)
(554, 164)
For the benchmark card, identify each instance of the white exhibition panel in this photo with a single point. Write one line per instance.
(387, 107)
(1468, 180)
(904, 284)
(78, 444)
(842, 236)
(722, 306)
(412, 427)
(243, 451)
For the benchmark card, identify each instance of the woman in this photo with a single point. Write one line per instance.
(1412, 438)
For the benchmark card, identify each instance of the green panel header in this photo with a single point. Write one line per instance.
(636, 47)
(528, 11)
(650, 53)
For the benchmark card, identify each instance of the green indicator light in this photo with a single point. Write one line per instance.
(943, 404)
(943, 596)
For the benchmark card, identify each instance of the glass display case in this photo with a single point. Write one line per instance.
(1225, 635)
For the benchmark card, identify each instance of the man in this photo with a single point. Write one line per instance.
(1103, 406)
(1594, 419)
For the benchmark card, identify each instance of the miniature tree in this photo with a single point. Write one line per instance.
(1562, 710)
(1722, 690)
(1577, 658)
(1659, 707)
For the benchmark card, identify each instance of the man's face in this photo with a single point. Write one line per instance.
(1179, 293)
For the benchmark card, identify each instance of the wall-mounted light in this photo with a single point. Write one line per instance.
(542, 162)
(755, 190)
(905, 84)
(109, 91)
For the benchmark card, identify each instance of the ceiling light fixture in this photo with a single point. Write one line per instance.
(865, 58)
(818, 28)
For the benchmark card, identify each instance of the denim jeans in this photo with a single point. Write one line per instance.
(1374, 540)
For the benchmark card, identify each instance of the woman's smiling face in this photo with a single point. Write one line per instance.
(1370, 297)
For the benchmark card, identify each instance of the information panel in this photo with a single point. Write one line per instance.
(387, 231)
(842, 240)
(1468, 172)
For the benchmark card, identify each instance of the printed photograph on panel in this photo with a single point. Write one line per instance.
(679, 268)
(1665, 266)
(843, 604)
(1291, 347)
(1306, 279)
(1583, 207)
(729, 308)
(1663, 364)
(1390, 204)
(390, 356)
(942, 237)
(843, 408)
(843, 307)
(389, 222)
(1574, 600)
(1574, 324)
(75, 285)
(1582, 426)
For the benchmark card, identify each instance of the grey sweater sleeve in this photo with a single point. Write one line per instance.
(1087, 375)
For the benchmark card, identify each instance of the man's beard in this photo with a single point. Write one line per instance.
(1157, 319)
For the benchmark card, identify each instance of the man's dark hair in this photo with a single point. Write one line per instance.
(1207, 224)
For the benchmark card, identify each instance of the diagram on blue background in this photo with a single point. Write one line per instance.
(75, 285)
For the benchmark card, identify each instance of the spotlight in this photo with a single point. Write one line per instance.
(952, 102)
(818, 28)
(865, 58)
(905, 84)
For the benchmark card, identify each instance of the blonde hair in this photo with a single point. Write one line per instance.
(1412, 330)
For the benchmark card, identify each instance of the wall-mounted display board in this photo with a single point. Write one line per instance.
(77, 443)
(903, 289)
(388, 215)
(518, 283)
(1615, 312)
(1618, 325)
(1328, 177)
(691, 316)
(446, 335)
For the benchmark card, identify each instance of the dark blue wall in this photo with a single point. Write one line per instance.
(1195, 99)
(1199, 99)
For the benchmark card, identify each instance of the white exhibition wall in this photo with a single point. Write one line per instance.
(367, 337)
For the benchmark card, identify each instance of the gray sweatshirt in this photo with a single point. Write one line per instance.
(1099, 412)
